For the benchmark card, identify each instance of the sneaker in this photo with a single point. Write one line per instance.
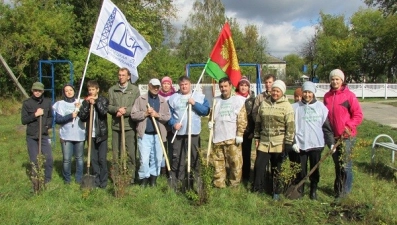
(276, 197)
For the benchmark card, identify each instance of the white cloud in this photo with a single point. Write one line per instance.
(286, 24)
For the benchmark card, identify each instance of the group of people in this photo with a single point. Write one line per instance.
(163, 117)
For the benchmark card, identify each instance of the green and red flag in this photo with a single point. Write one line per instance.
(223, 59)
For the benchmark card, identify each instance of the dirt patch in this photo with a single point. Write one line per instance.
(20, 128)
(351, 213)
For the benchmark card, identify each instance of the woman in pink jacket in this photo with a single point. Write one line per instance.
(344, 115)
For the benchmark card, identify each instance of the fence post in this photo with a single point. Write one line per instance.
(385, 90)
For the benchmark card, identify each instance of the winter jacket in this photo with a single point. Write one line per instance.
(101, 120)
(344, 111)
(118, 99)
(29, 107)
(312, 127)
(274, 125)
(138, 115)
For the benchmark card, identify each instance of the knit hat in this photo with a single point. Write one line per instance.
(338, 73)
(38, 86)
(280, 84)
(244, 79)
(309, 86)
(298, 92)
(166, 79)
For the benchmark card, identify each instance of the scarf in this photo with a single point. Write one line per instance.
(166, 94)
(244, 95)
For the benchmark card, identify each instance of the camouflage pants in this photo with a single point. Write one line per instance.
(230, 154)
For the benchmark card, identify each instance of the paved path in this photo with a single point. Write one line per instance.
(380, 113)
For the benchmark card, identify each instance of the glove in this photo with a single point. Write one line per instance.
(210, 125)
(239, 140)
(332, 149)
(295, 148)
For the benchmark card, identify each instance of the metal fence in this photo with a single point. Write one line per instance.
(363, 90)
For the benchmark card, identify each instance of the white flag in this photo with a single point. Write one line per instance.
(117, 41)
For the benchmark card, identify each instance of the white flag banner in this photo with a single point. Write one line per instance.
(117, 41)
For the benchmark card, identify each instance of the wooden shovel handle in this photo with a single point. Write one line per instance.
(167, 162)
(90, 136)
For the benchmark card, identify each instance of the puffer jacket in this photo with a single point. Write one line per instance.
(249, 105)
(344, 111)
(101, 120)
(275, 125)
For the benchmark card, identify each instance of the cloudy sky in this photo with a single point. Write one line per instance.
(286, 24)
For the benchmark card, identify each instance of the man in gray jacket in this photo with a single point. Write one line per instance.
(149, 143)
(121, 98)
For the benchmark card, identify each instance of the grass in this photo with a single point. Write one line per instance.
(372, 200)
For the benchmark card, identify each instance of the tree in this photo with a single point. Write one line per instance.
(388, 7)
(294, 67)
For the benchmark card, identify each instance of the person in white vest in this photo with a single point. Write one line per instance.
(230, 122)
(71, 133)
(178, 104)
(312, 132)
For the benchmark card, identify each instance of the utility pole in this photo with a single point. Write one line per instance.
(13, 76)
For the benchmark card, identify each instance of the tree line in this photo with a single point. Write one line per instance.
(33, 30)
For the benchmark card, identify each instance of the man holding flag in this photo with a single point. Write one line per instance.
(230, 116)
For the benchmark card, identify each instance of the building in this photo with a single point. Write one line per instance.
(274, 66)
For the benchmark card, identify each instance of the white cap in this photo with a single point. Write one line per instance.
(155, 82)
(280, 84)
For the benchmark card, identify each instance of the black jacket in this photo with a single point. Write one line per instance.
(101, 120)
(29, 107)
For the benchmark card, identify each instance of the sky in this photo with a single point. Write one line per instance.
(286, 24)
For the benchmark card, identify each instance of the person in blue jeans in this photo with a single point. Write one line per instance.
(71, 132)
(145, 108)
(99, 147)
(345, 115)
(34, 107)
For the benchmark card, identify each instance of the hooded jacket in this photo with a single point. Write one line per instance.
(344, 111)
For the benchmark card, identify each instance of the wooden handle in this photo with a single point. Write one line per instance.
(40, 132)
(167, 162)
(189, 138)
(211, 131)
(90, 136)
(123, 152)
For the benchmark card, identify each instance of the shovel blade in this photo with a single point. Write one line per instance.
(88, 182)
(292, 192)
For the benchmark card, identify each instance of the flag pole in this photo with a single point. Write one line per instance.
(82, 82)
(194, 91)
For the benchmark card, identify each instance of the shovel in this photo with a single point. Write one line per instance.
(189, 147)
(167, 162)
(292, 192)
(88, 181)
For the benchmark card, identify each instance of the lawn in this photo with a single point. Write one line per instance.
(372, 200)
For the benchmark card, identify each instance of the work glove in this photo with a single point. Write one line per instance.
(332, 149)
(295, 148)
(210, 125)
(239, 140)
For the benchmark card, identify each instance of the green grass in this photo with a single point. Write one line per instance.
(372, 200)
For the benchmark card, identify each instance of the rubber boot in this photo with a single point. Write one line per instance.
(144, 182)
(152, 180)
(313, 191)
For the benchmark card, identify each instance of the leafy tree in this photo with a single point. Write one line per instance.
(388, 7)
(294, 67)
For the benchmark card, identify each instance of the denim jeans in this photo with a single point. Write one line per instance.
(150, 155)
(344, 168)
(70, 148)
